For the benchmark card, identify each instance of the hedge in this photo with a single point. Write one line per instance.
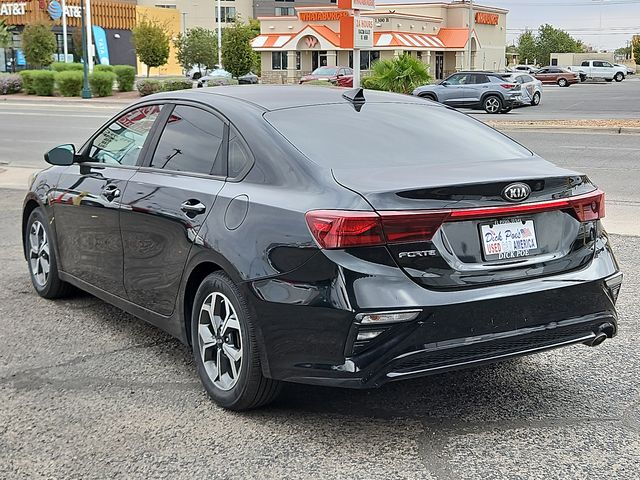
(102, 83)
(149, 86)
(103, 68)
(43, 82)
(63, 67)
(69, 83)
(174, 84)
(126, 75)
(10, 83)
(27, 81)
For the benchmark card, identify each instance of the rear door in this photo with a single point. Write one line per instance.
(87, 206)
(479, 84)
(168, 200)
(544, 76)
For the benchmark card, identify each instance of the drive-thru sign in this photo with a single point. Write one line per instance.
(356, 32)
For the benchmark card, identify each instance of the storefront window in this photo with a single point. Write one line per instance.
(228, 14)
(367, 57)
(279, 60)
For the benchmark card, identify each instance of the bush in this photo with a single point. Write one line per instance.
(148, 87)
(221, 81)
(319, 83)
(69, 83)
(400, 75)
(126, 75)
(370, 83)
(27, 81)
(43, 82)
(103, 68)
(64, 67)
(173, 84)
(102, 83)
(10, 83)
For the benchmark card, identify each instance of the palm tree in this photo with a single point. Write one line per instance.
(400, 75)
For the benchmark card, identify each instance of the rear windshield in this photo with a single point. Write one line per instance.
(385, 134)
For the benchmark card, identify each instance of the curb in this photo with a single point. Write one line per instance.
(556, 127)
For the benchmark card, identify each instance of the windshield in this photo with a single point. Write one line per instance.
(325, 71)
(390, 134)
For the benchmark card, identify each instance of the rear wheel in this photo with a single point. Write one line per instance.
(225, 347)
(196, 76)
(535, 100)
(562, 82)
(619, 77)
(429, 96)
(506, 109)
(43, 264)
(492, 104)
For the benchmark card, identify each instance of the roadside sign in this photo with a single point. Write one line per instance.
(357, 4)
(363, 32)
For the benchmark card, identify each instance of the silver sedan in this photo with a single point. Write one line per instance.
(530, 88)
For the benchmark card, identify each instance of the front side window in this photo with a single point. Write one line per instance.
(543, 70)
(607, 65)
(121, 142)
(190, 141)
(458, 79)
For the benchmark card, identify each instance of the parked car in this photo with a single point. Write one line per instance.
(329, 74)
(196, 72)
(478, 90)
(524, 68)
(530, 88)
(600, 69)
(219, 77)
(430, 244)
(557, 75)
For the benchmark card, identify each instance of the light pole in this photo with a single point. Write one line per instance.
(470, 32)
(89, 58)
(65, 48)
(219, 34)
(86, 91)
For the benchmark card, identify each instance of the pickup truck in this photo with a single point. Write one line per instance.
(599, 69)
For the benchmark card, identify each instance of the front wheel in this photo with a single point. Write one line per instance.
(535, 101)
(619, 77)
(563, 82)
(225, 347)
(492, 104)
(43, 264)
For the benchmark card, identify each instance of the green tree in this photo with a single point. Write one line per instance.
(39, 44)
(254, 25)
(624, 52)
(151, 41)
(527, 48)
(636, 51)
(400, 75)
(5, 35)
(197, 47)
(550, 40)
(237, 54)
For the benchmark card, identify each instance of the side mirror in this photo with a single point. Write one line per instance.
(445, 83)
(61, 155)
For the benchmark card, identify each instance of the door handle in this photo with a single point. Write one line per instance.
(193, 207)
(110, 192)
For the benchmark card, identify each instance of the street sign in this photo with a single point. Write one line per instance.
(357, 4)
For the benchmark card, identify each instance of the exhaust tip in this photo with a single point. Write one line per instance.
(598, 339)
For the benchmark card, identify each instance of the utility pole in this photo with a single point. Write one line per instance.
(356, 53)
(65, 48)
(470, 33)
(219, 34)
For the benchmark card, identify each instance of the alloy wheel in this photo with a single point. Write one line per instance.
(220, 341)
(492, 105)
(39, 258)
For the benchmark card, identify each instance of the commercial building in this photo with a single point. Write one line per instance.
(112, 22)
(435, 33)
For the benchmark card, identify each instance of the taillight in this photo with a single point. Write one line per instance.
(508, 86)
(344, 228)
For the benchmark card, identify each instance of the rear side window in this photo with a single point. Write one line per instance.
(391, 134)
(190, 141)
(526, 79)
(479, 78)
(239, 157)
(598, 64)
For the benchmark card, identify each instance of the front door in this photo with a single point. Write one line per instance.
(318, 59)
(454, 90)
(439, 65)
(166, 203)
(87, 204)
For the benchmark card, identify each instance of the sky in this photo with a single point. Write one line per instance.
(603, 24)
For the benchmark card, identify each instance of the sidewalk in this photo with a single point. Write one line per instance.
(620, 218)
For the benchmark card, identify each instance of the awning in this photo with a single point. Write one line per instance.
(271, 40)
(396, 39)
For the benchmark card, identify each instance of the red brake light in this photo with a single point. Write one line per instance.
(508, 86)
(343, 228)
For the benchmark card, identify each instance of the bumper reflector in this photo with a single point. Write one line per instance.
(387, 317)
(368, 335)
(614, 283)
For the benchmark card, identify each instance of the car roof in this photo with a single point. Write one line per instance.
(275, 97)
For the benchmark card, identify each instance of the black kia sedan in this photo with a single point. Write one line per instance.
(323, 236)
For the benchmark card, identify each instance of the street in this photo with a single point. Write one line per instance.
(87, 391)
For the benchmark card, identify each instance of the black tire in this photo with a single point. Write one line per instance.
(608, 80)
(196, 76)
(619, 77)
(506, 109)
(251, 389)
(429, 96)
(492, 104)
(535, 100)
(47, 285)
(562, 82)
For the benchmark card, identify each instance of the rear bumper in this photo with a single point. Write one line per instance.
(309, 332)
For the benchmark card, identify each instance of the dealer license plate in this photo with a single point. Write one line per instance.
(508, 239)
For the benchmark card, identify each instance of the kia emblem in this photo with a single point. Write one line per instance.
(516, 192)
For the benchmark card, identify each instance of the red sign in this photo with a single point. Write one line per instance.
(487, 18)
